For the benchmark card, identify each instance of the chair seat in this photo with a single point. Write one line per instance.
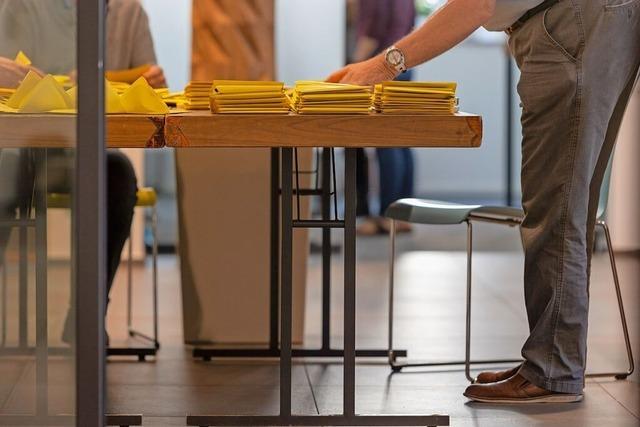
(498, 214)
(429, 212)
(147, 198)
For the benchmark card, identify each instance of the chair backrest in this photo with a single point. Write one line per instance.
(604, 190)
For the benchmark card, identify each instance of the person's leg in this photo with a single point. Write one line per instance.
(390, 162)
(362, 183)
(408, 174)
(121, 201)
(571, 95)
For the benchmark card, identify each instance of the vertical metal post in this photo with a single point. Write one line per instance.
(90, 207)
(42, 350)
(467, 347)
(154, 260)
(392, 277)
(286, 287)
(23, 275)
(350, 283)
(326, 249)
(274, 296)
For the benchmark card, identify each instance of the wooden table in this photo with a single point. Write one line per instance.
(59, 131)
(284, 134)
(203, 129)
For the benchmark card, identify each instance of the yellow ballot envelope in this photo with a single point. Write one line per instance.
(127, 76)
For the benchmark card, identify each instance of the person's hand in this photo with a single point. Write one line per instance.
(367, 73)
(11, 73)
(155, 77)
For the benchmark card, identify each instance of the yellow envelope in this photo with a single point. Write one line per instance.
(48, 95)
(140, 98)
(22, 59)
(30, 81)
(127, 76)
(73, 94)
(113, 104)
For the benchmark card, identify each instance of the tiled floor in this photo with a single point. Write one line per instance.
(430, 323)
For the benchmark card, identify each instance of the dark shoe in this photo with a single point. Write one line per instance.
(517, 390)
(496, 377)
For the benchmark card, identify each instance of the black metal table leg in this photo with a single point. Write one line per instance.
(327, 168)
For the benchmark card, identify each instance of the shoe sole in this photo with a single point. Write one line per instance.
(555, 398)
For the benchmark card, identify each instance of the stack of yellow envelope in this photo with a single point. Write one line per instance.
(310, 97)
(246, 97)
(196, 96)
(40, 95)
(432, 98)
(172, 99)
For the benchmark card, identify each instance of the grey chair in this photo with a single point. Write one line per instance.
(429, 212)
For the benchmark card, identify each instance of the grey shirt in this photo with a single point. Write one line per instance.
(45, 30)
(508, 12)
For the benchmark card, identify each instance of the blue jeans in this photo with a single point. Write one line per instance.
(396, 175)
(396, 167)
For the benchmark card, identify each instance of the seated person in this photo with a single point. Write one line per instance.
(46, 32)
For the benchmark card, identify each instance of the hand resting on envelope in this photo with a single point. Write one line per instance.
(12, 73)
(155, 77)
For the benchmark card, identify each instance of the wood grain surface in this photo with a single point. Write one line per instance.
(204, 129)
(59, 131)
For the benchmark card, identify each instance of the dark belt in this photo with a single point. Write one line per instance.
(530, 14)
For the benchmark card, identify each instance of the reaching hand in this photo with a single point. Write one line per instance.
(11, 73)
(367, 73)
(155, 77)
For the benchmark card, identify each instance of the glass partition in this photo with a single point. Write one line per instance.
(38, 141)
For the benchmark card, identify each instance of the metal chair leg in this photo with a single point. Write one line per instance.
(623, 317)
(467, 362)
(154, 229)
(392, 265)
(467, 349)
(3, 307)
(129, 287)
(133, 332)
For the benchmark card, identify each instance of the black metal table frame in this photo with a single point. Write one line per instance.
(327, 171)
(349, 417)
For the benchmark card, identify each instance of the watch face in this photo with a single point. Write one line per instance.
(395, 57)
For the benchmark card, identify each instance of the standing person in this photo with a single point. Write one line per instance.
(379, 24)
(46, 31)
(579, 62)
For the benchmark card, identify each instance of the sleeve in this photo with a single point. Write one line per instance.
(403, 17)
(143, 48)
(367, 12)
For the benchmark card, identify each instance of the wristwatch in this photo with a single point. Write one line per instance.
(396, 59)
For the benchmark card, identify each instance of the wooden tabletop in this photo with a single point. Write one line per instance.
(203, 129)
(59, 131)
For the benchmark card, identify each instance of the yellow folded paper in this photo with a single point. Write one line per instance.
(140, 98)
(73, 95)
(429, 98)
(248, 97)
(30, 81)
(127, 76)
(47, 95)
(22, 59)
(113, 104)
(312, 97)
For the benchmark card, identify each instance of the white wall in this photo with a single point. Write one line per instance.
(310, 38)
(171, 28)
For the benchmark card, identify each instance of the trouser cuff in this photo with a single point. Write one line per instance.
(570, 387)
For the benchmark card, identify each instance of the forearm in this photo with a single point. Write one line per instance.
(446, 28)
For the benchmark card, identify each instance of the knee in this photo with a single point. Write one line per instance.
(121, 178)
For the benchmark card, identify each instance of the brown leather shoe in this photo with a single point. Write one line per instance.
(518, 390)
(495, 377)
